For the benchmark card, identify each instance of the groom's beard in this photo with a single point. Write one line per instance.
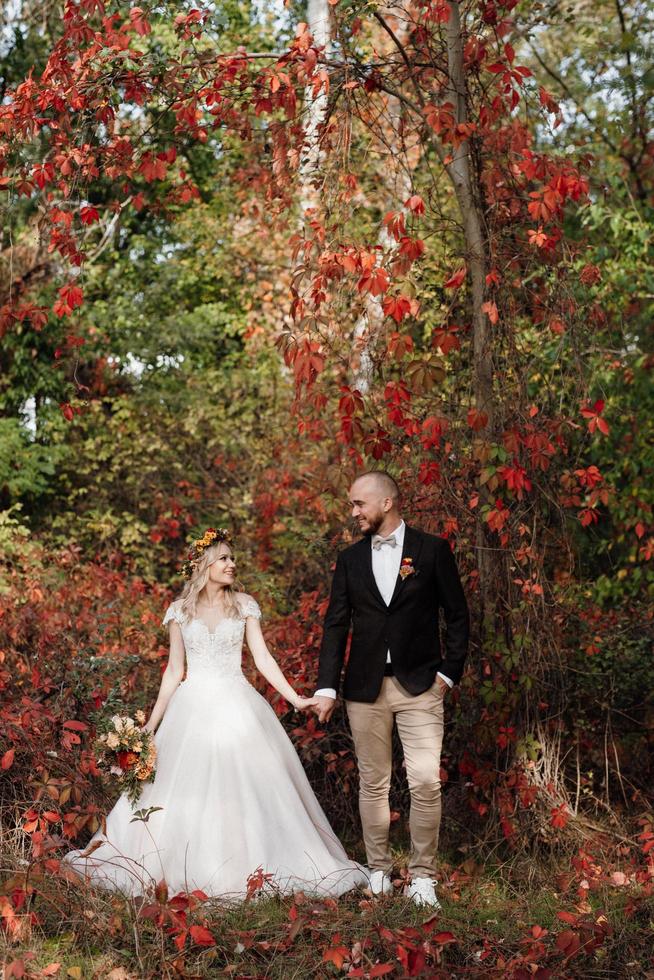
(373, 525)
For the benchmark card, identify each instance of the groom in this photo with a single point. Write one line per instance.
(388, 589)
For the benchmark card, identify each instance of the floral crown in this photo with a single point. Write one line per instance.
(210, 537)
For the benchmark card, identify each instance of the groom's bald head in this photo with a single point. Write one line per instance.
(375, 499)
(380, 483)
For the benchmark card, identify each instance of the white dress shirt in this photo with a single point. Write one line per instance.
(386, 563)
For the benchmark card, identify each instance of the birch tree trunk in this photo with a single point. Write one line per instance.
(319, 23)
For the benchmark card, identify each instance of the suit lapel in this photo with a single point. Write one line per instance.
(410, 549)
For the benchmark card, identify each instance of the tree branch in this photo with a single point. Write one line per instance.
(400, 47)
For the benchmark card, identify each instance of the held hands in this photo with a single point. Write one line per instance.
(301, 704)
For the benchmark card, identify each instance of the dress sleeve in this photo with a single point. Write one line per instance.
(172, 612)
(249, 607)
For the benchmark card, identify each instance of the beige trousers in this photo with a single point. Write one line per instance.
(420, 727)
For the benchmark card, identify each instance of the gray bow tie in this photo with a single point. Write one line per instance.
(378, 541)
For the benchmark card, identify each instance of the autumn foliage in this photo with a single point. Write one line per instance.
(242, 264)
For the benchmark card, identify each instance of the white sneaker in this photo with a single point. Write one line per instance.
(380, 883)
(423, 892)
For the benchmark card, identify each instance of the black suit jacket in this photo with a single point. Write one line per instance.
(408, 626)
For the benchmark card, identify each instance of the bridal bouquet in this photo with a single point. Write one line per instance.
(124, 750)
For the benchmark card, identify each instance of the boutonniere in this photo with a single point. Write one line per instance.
(406, 568)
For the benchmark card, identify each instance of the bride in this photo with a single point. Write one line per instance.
(234, 799)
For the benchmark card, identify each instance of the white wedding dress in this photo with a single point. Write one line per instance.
(233, 794)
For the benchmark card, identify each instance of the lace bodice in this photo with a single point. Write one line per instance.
(218, 652)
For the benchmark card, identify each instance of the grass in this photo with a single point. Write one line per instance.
(503, 918)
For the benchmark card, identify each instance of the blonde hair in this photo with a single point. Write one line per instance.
(199, 578)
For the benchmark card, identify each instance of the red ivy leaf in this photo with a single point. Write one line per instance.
(336, 955)
(76, 726)
(491, 309)
(457, 279)
(70, 297)
(375, 281)
(88, 215)
(139, 22)
(416, 204)
(397, 307)
(559, 816)
(399, 345)
(477, 420)
(201, 936)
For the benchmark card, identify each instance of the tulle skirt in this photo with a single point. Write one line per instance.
(234, 801)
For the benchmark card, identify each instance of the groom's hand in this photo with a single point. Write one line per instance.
(324, 707)
(444, 688)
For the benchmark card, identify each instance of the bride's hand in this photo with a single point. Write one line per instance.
(301, 704)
